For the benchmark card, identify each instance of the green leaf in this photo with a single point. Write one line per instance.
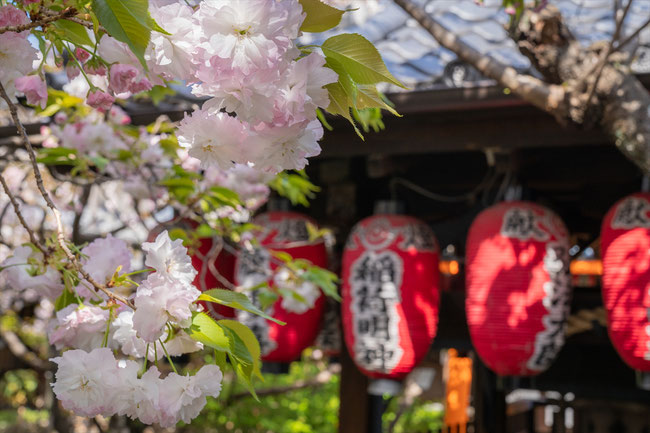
(345, 80)
(205, 330)
(320, 16)
(360, 59)
(73, 32)
(220, 359)
(340, 104)
(295, 187)
(369, 97)
(248, 338)
(127, 21)
(224, 196)
(178, 183)
(66, 298)
(234, 300)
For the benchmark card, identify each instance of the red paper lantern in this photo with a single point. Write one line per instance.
(625, 245)
(215, 269)
(281, 232)
(518, 287)
(390, 294)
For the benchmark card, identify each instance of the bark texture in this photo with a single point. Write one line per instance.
(588, 86)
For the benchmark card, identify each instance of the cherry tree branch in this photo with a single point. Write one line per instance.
(22, 352)
(321, 379)
(60, 233)
(64, 14)
(548, 97)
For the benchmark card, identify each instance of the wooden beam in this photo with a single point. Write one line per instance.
(353, 406)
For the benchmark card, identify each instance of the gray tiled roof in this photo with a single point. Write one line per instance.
(415, 58)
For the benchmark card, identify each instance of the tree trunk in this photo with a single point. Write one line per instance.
(588, 86)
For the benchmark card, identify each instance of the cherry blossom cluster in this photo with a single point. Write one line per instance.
(263, 94)
(90, 380)
(261, 90)
(95, 383)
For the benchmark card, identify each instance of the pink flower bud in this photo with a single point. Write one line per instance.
(34, 89)
(100, 100)
(510, 10)
(121, 77)
(81, 55)
(72, 72)
(60, 118)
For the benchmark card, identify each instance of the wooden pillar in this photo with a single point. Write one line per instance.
(353, 409)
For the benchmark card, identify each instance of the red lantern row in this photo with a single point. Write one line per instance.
(517, 289)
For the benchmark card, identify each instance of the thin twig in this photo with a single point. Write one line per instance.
(321, 379)
(64, 14)
(632, 35)
(16, 205)
(610, 48)
(60, 234)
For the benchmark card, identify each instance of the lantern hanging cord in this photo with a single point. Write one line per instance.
(440, 197)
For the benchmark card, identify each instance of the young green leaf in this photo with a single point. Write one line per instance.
(234, 300)
(360, 59)
(127, 21)
(320, 16)
(340, 104)
(73, 32)
(248, 338)
(205, 330)
(369, 97)
(66, 298)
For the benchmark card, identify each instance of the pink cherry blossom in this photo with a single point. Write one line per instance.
(87, 383)
(252, 34)
(232, 144)
(34, 89)
(104, 256)
(160, 299)
(171, 56)
(122, 77)
(287, 147)
(12, 16)
(183, 397)
(169, 258)
(79, 327)
(25, 271)
(102, 101)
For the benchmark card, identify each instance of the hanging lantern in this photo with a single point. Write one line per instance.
(625, 246)
(390, 294)
(215, 266)
(282, 232)
(518, 287)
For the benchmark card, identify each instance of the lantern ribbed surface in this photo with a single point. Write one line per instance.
(281, 232)
(625, 245)
(390, 294)
(518, 287)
